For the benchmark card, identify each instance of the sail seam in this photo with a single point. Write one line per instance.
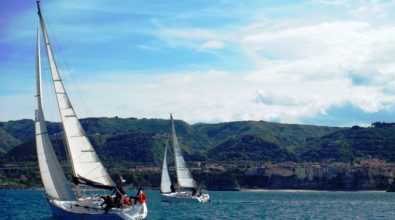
(92, 171)
(41, 133)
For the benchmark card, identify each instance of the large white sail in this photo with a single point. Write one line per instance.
(87, 167)
(184, 177)
(54, 180)
(165, 180)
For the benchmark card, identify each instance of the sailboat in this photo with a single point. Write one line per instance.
(187, 188)
(87, 169)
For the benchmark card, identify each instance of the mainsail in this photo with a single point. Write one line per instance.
(52, 175)
(87, 168)
(184, 177)
(165, 180)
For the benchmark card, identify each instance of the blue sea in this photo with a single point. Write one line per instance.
(30, 204)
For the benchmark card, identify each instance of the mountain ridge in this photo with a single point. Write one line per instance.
(222, 156)
(122, 134)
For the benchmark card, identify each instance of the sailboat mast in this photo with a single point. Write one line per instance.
(54, 67)
(52, 175)
(38, 69)
(173, 139)
(86, 165)
(184, 177)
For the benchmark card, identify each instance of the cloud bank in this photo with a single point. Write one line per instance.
(291, 69)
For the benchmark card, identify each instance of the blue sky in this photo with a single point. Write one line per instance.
(323, 62)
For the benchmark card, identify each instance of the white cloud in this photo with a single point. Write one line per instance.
(299, 69)
(314, 63)
(331, 2)
(312, 72)
(373, 8)
(145, 47)
(195, 33)
(195, 38)
(209, 45)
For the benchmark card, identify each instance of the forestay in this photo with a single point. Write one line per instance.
(86, 165)
(184, 177)
(54, 180)
(165, 180)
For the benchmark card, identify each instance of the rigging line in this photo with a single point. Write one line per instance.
(47, 85)
(67, 69)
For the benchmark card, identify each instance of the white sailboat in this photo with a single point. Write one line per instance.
(187, 188)
(87, 168)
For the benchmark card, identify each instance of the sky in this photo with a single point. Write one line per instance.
(320, 62)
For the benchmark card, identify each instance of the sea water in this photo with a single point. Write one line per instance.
(31, 204)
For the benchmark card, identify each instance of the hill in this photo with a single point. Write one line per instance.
(222, 156)
(21, 130)
(142, 140)
(251, 148)
(347, 145)
(7, 141)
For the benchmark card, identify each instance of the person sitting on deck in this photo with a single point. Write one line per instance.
(119, 196)
(140, 196)
(107, 202)
(193, 191)
(126, 200)
(172, 188)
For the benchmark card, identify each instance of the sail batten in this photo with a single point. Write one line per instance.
(184, 177)
(76, 139)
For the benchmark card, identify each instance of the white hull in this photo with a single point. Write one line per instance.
(89, 208)
(185, 197)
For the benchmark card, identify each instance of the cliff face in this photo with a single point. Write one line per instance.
(366, 175)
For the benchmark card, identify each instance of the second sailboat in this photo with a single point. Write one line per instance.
(186, 187)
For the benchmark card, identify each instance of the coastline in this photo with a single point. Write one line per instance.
(307, 190)
(236, 190)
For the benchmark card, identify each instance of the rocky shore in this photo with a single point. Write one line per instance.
(366, 175)
(371, 174)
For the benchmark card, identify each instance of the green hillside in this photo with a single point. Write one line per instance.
(141, 141)
(250, 148)
(345, 145)
(7, 141)
(21, 130)
(287, 135)
(234, 154)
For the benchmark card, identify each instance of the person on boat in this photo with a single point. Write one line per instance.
(107, 203)
(140, 196)
(193, 191)
(119, 196)
(126, 200)
(172, 188)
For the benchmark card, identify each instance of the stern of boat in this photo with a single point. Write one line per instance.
(134, 212)
(87, 209)
(204, 198)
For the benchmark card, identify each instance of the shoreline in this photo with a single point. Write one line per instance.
(236, 190)
(308, 190)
